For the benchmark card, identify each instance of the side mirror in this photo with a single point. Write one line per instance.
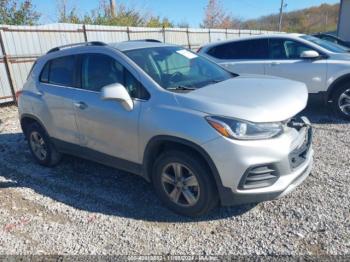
(118, 93)
(309, 54)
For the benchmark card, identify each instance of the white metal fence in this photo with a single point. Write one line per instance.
(21, 45)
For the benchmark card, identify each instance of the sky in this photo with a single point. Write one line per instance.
(178, 11)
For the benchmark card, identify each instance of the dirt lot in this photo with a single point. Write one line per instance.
(80, 207)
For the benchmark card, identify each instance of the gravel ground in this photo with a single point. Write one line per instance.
(80, 207)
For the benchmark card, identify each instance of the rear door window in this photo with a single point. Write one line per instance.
(249, 49)
(62, 71)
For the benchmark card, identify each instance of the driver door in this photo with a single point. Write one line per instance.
(285, 61)
(105, 126)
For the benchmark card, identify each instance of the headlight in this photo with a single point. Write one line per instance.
(244, 130)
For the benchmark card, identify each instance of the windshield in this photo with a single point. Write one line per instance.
(175, 68)
(333, 47)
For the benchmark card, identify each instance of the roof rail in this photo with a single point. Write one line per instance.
(146, 40)
(93, 43)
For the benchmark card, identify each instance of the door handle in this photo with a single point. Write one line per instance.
(80, 105)
(39, 93)
(275, 63)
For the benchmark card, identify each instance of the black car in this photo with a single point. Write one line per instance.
(333, 39)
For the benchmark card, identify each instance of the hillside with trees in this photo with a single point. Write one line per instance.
(315, 19)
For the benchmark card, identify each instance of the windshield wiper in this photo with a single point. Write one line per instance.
(181, 88)
(214, 81)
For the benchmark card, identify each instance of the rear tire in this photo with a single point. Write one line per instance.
(193, 193)
(41, 146)
(341, 102)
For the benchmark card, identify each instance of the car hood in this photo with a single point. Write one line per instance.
(341, 56)
(249, 97)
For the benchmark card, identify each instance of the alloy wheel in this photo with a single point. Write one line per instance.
(180, 184)
(38, 145)
(344, 102)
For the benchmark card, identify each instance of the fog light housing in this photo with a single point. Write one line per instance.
(259, 177)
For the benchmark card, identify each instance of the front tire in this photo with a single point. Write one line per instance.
(341, 102)
(184, 183)
(41, 146)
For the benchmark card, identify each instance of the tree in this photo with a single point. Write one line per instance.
(15, 12)
(121, 16)
(67, 13)
(183, 24)
(156, 21)
(103, 15)
(215, 16)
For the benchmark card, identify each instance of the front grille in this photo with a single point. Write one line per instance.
(298, 156)
(257, 177)
(296, 123)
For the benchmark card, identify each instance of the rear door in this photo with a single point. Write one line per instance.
(57, 84)
(285, 61)
(246, 56)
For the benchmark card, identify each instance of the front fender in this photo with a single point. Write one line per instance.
(335, 80)
(174, 121)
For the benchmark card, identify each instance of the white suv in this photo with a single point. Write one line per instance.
(323, 66)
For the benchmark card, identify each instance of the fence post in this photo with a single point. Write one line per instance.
(163, 32)
(226, 33)
(128, 33)
(7, 67)
(209, 35)
(188, 38)
(84, 32)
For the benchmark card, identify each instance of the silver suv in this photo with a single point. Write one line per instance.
(200, 134)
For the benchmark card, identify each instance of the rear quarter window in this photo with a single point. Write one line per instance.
(250, 49)
(31, 70)
(44, 76)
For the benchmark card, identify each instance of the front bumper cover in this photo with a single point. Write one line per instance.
(240, 199)
(291, 173)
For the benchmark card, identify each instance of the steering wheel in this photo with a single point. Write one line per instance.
(177, 76)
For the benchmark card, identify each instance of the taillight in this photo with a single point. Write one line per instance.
(18, 93)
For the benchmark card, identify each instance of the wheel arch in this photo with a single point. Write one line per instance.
(158, 144)
(335, 84)
(27, 119)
